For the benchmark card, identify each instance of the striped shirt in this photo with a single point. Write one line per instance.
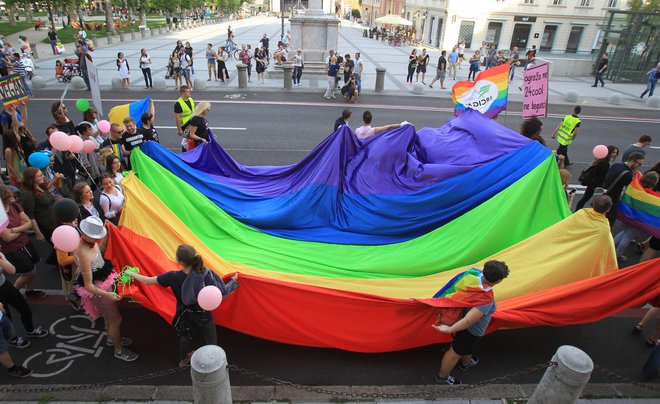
(19, 68)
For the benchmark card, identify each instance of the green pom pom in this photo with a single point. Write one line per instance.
(126, 278)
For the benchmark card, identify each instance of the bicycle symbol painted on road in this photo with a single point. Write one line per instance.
(78, 338)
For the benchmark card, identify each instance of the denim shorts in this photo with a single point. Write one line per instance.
(7, 333)
(186, 72)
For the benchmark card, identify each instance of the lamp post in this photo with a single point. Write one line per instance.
(282, 12)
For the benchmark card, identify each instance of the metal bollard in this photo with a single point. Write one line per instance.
(152, 32)
(109, 37)
(288, 78)
(95, 40)
(160, 30)
(133, 34)
(35, 54)
(564, 382)
(121, 36)
(143, 32)
(210, 378)
(380, 79)
(242, 75)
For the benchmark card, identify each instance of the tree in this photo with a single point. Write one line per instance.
(355, 13)
(109, 21)
(644, 5)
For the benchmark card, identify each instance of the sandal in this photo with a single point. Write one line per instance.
(638, 329)
(652, 342)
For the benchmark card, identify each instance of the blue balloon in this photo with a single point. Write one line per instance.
(39, 160)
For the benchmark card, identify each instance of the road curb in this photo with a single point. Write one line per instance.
(348, 393)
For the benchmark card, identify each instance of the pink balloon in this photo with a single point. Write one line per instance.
(89, 146)
(76, 144)
(66, 238)
(601, 151)
(104, 126)
(60, 141)
(209, 298)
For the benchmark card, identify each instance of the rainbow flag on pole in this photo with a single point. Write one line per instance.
(640, 208)
(487, 94)
(134, 109)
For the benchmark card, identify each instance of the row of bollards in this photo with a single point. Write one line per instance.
(144, 32)
(562, 382)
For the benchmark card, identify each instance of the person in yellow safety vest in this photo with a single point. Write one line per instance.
(566, 133)
(183, 112)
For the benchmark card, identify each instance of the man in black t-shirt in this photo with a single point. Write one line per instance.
(441, 70)
(602, 67)
(63, 124)
(114, 141)
(130, 139)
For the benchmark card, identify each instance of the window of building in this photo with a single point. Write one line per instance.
(574, 39)
(612, 3)
(548, 38)
(465, 33)
(493, 33)
(585, 3)
(557, 2)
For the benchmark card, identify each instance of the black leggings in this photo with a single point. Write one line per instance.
(411, 73)
(207, 332)
(147, 77)
(222, 67)
(10, 296)
(473, 74)
(588, 193)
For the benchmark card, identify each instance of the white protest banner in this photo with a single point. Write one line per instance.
(93, 74)
(535, 91)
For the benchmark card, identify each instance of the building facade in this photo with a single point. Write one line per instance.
(554, 26)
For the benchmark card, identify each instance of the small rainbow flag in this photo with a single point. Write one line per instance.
(487, 94)
(640, 207)
(134, 109)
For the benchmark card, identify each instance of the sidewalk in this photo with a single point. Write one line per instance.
(492, 394)
(374, 54)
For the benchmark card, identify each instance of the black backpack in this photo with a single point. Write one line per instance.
(586, 176)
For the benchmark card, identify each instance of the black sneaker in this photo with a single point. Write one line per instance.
(35, 294)
(473, 362)
(37, 333)
(19, 342)
(20, 371)
(449, 380)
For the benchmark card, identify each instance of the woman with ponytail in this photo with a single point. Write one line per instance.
(190, 320)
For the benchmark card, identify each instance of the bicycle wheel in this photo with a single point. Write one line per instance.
(235, 55)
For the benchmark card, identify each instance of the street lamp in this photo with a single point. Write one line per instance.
(282, 12)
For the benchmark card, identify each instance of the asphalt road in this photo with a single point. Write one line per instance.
(275, 129)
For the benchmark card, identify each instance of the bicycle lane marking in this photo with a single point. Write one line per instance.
(65, 352)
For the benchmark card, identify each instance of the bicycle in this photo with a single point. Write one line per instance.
(67, 351)
(232, 50)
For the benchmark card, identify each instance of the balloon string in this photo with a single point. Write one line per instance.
(83, 167)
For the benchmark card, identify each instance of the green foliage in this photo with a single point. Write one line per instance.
(644, 5)
(6, 29)
(67, 35)
(355, 13)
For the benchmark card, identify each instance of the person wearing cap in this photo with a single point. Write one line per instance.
(190, 320)
(95, 284)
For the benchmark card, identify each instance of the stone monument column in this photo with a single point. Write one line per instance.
(314, 32)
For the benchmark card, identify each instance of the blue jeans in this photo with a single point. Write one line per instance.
(297, 73)
(7, 332)
(52, 46)
(650, 88)
(650, 369)
(622, 238)
(599, 77)
(358, 81)
(513, 72)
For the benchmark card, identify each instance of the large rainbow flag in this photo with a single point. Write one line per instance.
(347, 248)
(640, 207)
(488, 93)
